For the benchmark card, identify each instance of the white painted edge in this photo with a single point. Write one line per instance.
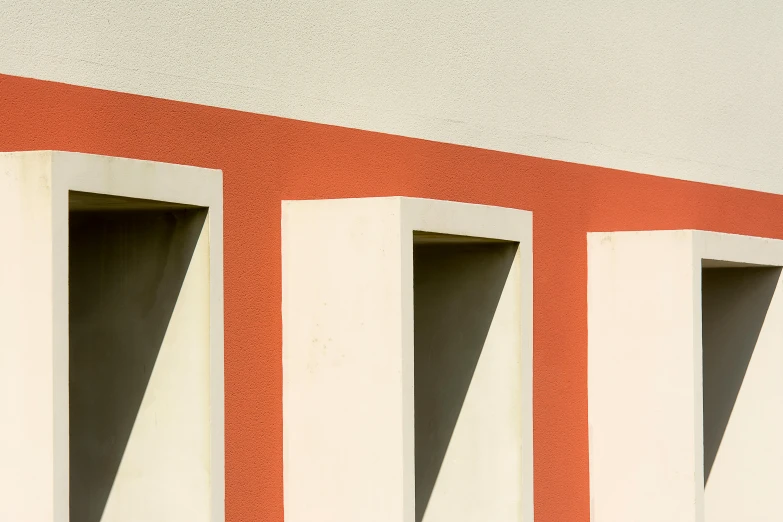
(147, 180)
(718, 246)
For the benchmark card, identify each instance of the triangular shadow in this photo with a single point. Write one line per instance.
(126, 269)
(457, 287)
(735, 302)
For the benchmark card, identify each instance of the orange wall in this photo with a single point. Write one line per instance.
(266, 159)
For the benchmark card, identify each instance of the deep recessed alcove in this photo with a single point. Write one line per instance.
(128, 260)
(742, 358)
(467, 375)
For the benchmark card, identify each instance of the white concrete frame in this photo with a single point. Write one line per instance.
(34, 373)
(646, 390)
(348, 360)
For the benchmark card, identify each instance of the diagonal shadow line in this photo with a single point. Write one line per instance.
(457, 288)
(735, 302)
(126, 270)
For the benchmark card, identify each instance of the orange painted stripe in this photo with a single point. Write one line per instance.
(266, 159)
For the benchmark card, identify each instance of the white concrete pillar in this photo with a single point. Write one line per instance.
(685, 395)
(407, 361)
(111, 340)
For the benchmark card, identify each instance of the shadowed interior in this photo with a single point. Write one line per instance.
(457, 286)
(735, 302)
(127, 262)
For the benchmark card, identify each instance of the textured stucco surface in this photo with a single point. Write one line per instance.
(682, 89)
(267, 159)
